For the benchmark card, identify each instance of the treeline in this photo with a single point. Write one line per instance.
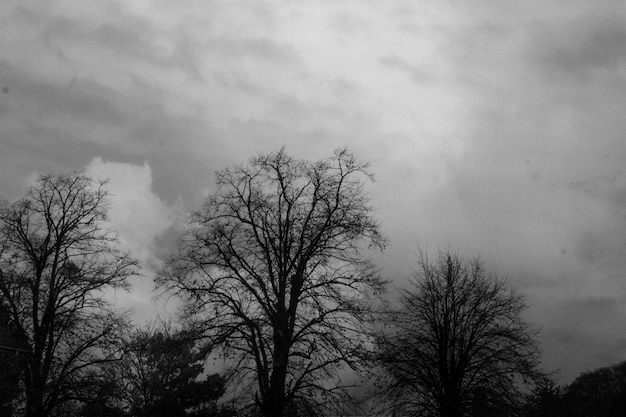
(274, 282)
(598, 393)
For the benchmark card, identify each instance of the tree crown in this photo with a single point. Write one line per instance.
(273, 270)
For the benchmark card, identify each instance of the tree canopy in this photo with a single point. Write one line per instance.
(272, 271)
(458, 346)
(56, 260)
(161, 374)
(601, 393)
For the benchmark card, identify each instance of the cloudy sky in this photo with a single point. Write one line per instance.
(495, 128)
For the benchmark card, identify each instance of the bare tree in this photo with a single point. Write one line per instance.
(56, 259)
(272, 270)
(458, 346)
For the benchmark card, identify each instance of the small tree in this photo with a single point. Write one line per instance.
(545, 400)
(160, 374)
(458, 346)
(56, 259)
(272, 271)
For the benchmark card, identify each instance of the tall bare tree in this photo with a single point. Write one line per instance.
(56, 260)
(458, 346)
(273, 271)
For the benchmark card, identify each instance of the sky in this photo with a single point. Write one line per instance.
(493, 127)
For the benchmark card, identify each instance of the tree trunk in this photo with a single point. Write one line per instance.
(35, 410)
(450, 411)
(451, 406)
(274, 402)
(34, 402)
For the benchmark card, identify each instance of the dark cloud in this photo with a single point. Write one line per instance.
(395, 62)
(602, 252)
(582, 48)
(349, 23)
(48, 127)
(587, 330)
(79, 112)
(183, 154)
(262, 49)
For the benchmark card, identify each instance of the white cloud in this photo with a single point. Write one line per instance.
(137, 214)
(140, 218)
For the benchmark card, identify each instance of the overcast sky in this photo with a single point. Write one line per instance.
(493, 127)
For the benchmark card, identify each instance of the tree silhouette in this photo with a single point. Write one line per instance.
(272, 272)
(458, 346)
(56, 259)
(598, 393)
(161, 375)
(545, 400)
(11, 365)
